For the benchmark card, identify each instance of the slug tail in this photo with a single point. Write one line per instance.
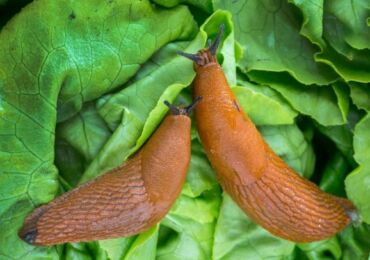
(350, 210)
(28, 235)
(29, 231)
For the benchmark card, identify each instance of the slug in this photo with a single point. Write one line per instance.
(261, 183)
(126, 200)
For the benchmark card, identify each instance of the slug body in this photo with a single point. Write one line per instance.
(261, 183)
(124, 201)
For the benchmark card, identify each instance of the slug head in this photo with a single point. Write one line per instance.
(179, 110)
(207, 56)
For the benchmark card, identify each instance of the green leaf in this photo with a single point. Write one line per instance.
(264, 105)
(358, 182)
(79, 139)
(77, 251)
(334, 173)
(360, 94)
(320, 103)
(194, 219)
(274, 43)
(361, 141)
(200, 176)
(353, 68)
(341, 21)
(312, 24)
(347, 35)
(116, 248)
(342, 136)
(151, 82)
(349, 17)
(355, 242)
(325, 249)
(237, 237)
(341, 91)
(178, 246)
(144, 246)
(206, 5)
(69, 162)
(86, 132)
(202, 209)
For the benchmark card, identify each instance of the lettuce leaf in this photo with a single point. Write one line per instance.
(82, 86)
(274, 43)
(358, 182)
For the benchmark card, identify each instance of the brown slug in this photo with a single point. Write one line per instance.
(126, 200)
(261, 183)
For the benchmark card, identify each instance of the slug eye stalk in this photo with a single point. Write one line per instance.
(183, 110)
(207, 55)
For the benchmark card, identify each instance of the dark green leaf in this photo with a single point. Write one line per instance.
(238, 237)
(274, 43)
(320, 103)
(360, 94)
(264, 105)
(358, 182)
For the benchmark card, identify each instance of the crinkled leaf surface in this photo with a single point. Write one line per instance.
(356, 244)
(358, 182)
(354, 68)
(86, 131)
(276, 111)
(144, 247)
(237, 237)
(325, 249)
(321, 103)
(350, 18)
(206, 5)
(342, 136)
(334, 173)
(274, 43)
(347, 36)
(360, 94)
(312, 24)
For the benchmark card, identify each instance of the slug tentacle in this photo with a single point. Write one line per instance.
(213, 48)
(178, 110)
(196, 101)
(208, 55)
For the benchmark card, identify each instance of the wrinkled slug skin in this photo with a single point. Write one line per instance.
(262, 184)
(124, 201)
